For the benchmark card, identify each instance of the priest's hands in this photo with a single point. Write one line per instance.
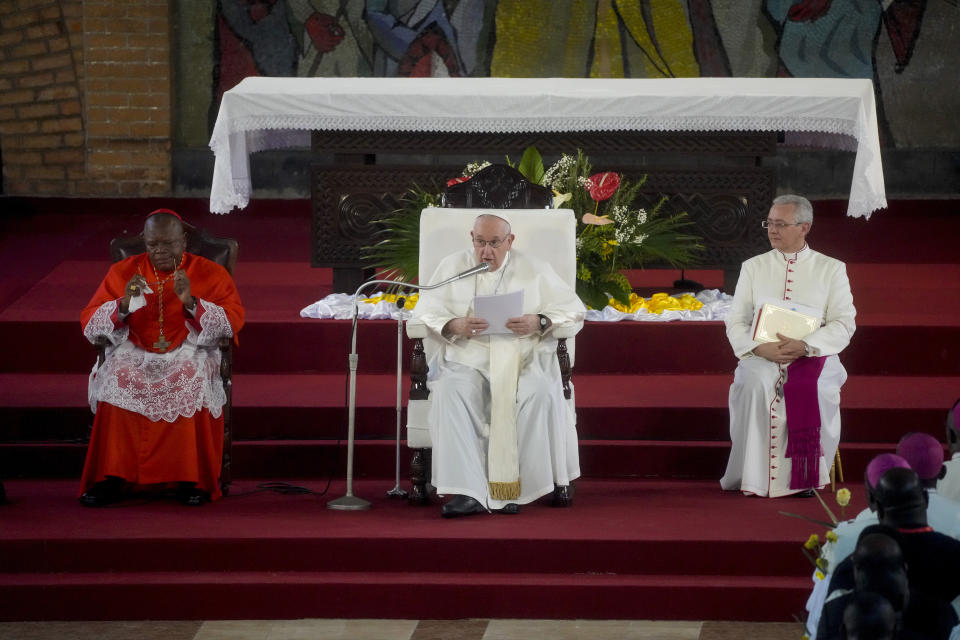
(464, 327)
(181, 287)
(134, 286)
(524, 325)
(783, 352)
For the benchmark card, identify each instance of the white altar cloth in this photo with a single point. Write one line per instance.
(274, 113)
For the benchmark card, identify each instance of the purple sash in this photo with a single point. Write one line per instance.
(803, 421)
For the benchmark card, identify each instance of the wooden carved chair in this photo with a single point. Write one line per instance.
(223, 251)
(545, 233)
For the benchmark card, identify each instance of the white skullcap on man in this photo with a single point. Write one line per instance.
(496, 213)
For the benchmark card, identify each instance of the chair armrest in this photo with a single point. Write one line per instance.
(225, 345)
(568, 331)
(416, 329)
(100, 345)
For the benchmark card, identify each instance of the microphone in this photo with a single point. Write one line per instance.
(472, 271)
(480, 268)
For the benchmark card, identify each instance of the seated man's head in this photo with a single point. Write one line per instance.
(901, 499)
(924, 453)
(491, 239)
(869, 617)
(953, 427)
(875, 469)
(878, 566)
(165, 239)
(789, 222)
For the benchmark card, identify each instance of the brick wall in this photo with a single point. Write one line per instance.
(85, 95)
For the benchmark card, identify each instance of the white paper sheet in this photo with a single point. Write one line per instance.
(497, 309)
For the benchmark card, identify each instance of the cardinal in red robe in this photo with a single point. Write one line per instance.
(158, 398)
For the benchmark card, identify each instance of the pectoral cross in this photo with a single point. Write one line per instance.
(161, 344)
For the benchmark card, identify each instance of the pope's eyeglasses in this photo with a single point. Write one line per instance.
(493, 244)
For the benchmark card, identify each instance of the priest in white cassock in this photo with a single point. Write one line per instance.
(949, 485)
(503, 434)
(785, 396)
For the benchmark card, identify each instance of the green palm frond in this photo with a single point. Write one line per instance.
(396, 252)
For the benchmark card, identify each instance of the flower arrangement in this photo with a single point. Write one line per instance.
(822, 554)
(612, 232)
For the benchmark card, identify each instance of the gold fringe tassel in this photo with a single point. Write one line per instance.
(505, 490)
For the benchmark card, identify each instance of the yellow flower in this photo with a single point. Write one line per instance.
(843, 497)
(831, 536)
(812, 542)
(607, 248)
(820, 576)
(821, 564)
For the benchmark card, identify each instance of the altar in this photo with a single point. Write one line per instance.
(357, 127)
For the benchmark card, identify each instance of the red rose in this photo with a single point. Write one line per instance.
(324, 31)
(603, 185)
(453, 181)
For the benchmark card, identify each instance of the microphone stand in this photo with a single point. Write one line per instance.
(397, 492)
(350, 502)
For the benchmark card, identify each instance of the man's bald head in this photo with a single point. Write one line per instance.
(878, 565)
(869, 615)
(901, 499)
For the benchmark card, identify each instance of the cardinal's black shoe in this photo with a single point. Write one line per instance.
(102, 494)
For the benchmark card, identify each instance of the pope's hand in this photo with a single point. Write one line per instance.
(524, 325)
(464, 327)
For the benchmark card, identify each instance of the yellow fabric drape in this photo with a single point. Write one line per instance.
(561, 38)
(658, 303)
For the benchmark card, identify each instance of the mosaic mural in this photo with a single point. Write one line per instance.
(875, 39)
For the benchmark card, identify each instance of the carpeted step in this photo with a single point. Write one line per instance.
(281, 459)
(290, 595)
(44, 407)
(632, 542)
(37, 345)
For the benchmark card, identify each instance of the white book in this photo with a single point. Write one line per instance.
(793, 323)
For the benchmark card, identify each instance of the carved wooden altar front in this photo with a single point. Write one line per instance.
(716, 177)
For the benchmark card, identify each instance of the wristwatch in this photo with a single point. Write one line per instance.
(544, 322)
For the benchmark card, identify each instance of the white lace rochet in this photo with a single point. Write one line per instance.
(160, 386)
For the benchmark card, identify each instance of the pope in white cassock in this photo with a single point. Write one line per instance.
(785, 396)
(503, 434)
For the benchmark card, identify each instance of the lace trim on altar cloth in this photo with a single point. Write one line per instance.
(160, 386)
(101, 324)
(214, 324)
(280, 131)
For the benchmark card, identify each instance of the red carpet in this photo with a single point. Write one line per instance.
(628, 549)
(651, 535)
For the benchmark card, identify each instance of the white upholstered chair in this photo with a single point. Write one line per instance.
(549, 234)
